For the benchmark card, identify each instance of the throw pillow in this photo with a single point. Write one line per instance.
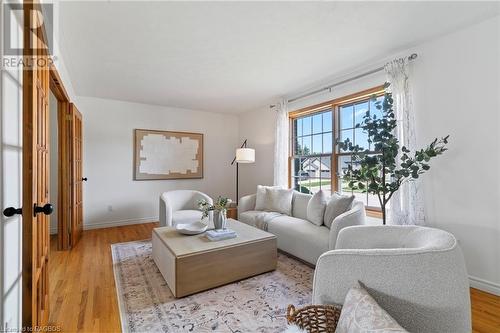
(338, 204)
(361, 314)
(261, 198)
(316, 207)
(280, 200)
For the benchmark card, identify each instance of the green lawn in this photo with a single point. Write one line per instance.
(315, 183)
(325, 182)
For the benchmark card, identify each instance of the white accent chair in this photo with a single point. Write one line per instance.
(416, 274)
(295, 234)
(181, 207)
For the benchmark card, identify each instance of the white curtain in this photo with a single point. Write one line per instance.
(407, 205)
(281, 145)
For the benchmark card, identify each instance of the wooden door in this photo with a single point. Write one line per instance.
(77, 174)
(36, 207)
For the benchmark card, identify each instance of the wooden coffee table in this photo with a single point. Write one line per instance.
(191, 264)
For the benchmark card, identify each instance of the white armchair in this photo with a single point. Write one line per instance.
(416, 274)
(181, 206)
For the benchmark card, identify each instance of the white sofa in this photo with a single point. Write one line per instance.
(181, 207)
(296, 235)
(416, 274)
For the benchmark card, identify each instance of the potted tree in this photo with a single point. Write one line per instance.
(380, 173)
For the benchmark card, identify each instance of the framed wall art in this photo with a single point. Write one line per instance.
(167, 155)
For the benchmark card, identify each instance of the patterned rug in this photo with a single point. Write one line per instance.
(257, 304)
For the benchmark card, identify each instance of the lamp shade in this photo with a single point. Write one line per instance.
(245, 155)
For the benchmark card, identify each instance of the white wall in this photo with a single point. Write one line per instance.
(456, 92)
(53, 161)
(258, 128)
(456, 86)
(108, 128)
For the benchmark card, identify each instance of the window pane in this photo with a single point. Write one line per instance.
(296, 167)
(327, 187)
(343, 164)
(317, 144)
(297, 185)
(327, 142)
(298, 127)
(303, 186)
(317, 124)
(361, 138)
(327, 121)
(373, 201)
(360, 196)
(326, 168)
(310, 167)
(313, 185)
(306, 145)
(346, 134)
(346, 117)
(298, 146)
(359, 112)
(306, 126)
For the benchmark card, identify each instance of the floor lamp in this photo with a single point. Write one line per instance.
(243, 155)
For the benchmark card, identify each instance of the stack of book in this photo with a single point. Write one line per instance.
(217, 235)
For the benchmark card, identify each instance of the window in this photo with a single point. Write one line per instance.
(316, 161)
(312, 152)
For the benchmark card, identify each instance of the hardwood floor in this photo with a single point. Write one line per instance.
(83, 296)
(82, 285)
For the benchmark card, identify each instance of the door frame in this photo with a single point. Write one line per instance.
(64, 195)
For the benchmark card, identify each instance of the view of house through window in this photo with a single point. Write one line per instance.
(317, 162)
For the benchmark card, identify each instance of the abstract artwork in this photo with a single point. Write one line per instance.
(167, 155)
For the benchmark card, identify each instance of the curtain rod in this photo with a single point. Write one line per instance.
(413, 56)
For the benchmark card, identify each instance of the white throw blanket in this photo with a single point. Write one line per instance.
(262, 220)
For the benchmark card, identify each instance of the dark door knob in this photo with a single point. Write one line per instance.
(84, 179)
(47, 209)
(11, 211)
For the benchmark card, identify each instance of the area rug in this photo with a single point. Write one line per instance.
(257, 304)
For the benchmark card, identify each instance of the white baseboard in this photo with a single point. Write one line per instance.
(109, 224)
(484, 285)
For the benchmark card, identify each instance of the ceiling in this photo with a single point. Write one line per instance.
(236, 56)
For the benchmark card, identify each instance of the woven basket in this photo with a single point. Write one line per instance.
(314, 318)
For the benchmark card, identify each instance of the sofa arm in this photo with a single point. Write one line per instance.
(246, 203)
(353, 217)
(165, 212)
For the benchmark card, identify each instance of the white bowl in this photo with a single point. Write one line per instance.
(191, 228)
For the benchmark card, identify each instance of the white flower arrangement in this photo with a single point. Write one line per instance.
(221, 205)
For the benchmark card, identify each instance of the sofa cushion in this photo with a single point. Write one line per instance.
(337, 205)
(280, 200)
(361, 314)
(316, 207)
(299, 204)
(299, 237)
(262, 197)
(186, 216)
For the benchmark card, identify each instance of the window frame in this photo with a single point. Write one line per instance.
(334, 105)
